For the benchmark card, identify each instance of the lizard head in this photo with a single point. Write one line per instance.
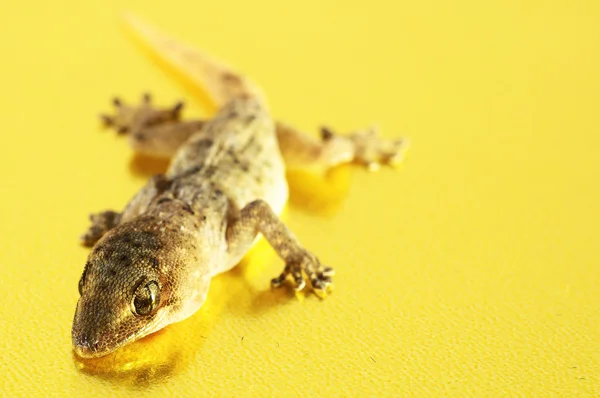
(132, 284)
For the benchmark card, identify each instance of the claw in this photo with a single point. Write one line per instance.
(178, 107)
(276, 282)
(306, 265)
(300, 284)
(107, 120)
(326, 133)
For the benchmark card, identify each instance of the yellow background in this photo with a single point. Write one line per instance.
(474, 270)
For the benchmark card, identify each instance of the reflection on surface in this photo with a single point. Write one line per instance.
(137, 365)
(154, 358)
(245, 289)
(319, 192)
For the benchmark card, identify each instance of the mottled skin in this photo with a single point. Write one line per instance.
(151, 264)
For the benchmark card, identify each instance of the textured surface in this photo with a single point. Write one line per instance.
(472, 271)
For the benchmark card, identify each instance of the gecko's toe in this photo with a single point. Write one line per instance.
(106, 120)
(326, 133)
(307, 265)
(178, 107)
(101, 223)
(277, 282)
(321, 281)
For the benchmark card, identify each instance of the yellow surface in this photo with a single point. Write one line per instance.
(472, 271)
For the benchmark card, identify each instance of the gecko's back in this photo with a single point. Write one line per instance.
(236, 152)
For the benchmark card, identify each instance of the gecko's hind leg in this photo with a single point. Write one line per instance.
(101, 223)
(362, 147)
(258, 217)
(152, 131)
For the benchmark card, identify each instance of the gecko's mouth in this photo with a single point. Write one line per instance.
(92, 340)
(86, 346)
(94, 344)
(89, 349)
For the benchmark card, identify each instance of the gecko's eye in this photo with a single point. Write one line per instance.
(146, 298)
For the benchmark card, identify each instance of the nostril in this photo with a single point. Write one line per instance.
(84, 346)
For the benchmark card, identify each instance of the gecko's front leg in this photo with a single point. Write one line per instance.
(101, 223)
(104, 221)
(300, 264)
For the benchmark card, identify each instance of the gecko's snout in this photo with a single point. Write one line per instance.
(90, 336)
(85, 348)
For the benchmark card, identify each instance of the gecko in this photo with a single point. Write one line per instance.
(151, 264)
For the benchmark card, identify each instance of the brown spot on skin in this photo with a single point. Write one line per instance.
(112, 272)
(210, 171)
(164, 200)
(161, 183)
(154, 262)
(249, 144)
(188, 208)
(189, 172)
(138, 239)
(205, 143)
(217, 194)
(230, 78)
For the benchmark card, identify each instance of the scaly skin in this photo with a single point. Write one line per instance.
(151, 264)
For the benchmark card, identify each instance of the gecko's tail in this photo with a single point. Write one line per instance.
(219, 81)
